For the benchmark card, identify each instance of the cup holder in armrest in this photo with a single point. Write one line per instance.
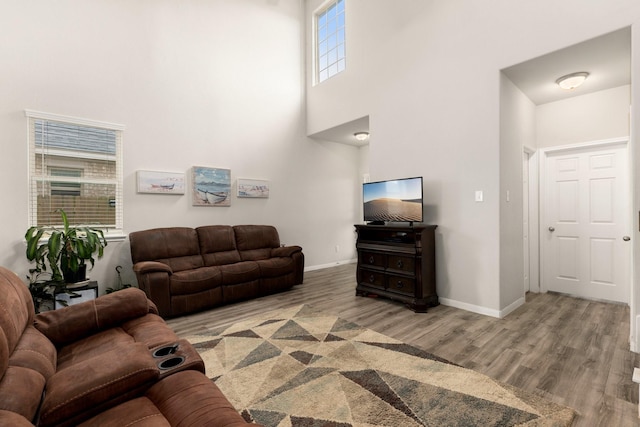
(177, 356)
(171, 362)
(165, 351)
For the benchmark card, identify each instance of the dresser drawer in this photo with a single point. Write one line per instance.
(373, 259)
(402, 263)
(371, 278)
(401, 285)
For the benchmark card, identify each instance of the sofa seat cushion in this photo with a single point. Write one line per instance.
(194, 281)
(21, 391)
(241, 272)
(8, 418)
(93, 385)
(275, 267)
(92, 346)
(186, 398)
(35, 351)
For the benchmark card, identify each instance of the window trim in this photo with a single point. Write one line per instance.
(116, 233)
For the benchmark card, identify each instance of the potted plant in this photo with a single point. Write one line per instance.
(65, 251)
(44, 290)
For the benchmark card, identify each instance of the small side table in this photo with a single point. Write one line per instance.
(80, 294)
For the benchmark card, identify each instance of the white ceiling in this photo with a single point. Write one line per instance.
(344, 132)
(607, 59)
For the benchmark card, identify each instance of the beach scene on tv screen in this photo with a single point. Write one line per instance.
(393, 201)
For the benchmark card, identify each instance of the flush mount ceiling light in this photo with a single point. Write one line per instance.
(361, 136)
(573, 80)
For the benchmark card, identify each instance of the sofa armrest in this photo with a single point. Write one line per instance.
(78, 321)
(145, 267)
(154, 279)
(86, 388)
(285, 251)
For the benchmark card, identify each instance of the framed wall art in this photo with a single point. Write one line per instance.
(253, 188)
(211, 186)
(160, 182)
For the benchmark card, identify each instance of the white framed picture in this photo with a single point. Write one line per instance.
(156, 182)
(253, 188)
(211, 186)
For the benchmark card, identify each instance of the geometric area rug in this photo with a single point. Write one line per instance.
(298, 367)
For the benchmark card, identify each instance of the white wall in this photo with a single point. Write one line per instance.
(517, 130)
(592, 117)
(427, 74)
(216, 83)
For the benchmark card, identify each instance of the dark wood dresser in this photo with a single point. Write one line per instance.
(398, 262)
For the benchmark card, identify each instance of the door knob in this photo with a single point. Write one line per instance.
(552, 229)
(626, 238)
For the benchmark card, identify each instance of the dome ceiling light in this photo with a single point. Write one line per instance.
(361, 136)
(573, 80)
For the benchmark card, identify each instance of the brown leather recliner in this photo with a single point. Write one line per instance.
(183, 270)
(96, 363)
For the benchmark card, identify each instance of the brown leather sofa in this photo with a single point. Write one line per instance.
(108, 362)
(183, 270)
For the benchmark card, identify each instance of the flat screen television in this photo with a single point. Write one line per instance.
(396, 200)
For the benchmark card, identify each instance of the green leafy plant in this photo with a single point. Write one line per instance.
(44, 290)
(66, 249)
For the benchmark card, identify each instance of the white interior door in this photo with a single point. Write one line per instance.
(585, 230)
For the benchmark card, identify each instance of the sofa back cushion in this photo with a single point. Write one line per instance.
(175, 246)
(20, 387)
(16, 312)
(255, 242)
(218, 245)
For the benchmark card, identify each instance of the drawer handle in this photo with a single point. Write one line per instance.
(372, 278)
(371, 259)
(400, 264)
(399, 285)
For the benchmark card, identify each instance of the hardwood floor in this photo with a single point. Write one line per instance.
(572, 351)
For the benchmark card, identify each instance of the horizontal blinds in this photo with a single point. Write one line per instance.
(78, 168)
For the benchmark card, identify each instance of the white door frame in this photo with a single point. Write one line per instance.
(534, 239)
(544, 153)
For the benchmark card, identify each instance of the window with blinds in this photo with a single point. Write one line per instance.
(75, 165)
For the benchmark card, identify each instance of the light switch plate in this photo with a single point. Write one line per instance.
(479, 196)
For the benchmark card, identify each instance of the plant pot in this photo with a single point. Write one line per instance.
(76, 276)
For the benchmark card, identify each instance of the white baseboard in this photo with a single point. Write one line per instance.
(333, 264)
(482, 310)
(512, 307)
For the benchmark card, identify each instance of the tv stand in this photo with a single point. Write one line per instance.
(398, 262)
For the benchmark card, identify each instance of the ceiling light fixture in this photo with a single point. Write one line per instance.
(361, 136)
(573, 80)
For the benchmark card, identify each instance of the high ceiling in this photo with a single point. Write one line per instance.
(607, 59)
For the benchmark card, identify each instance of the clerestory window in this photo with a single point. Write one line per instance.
(330, 54)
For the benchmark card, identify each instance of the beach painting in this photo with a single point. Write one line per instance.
(160, 182)
(253, 188)
(211, 186)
